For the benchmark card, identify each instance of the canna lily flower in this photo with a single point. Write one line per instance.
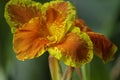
(103, 47)
(53, 27)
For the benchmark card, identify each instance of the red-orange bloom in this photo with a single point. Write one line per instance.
(52, 27)
(103, 47)
(37, 26)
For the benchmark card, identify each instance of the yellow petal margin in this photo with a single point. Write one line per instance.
(103, 47)
(74, 50)
(30, 40)
(18, 12)
(59, 16)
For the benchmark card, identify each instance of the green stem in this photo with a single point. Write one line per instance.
(65, 74)
(79, 73)
(83, 68)
(86, 72)
(68, 73)
(55, 68)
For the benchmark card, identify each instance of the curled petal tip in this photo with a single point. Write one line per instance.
(103, 47)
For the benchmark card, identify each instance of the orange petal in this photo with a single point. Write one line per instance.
(31, 39)
(29, 12)
(57, 12)
(81, 24)
(18, 12)
(74, 50)
(103, 47)
(59, 17)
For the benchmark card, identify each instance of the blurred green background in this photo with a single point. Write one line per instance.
(101, 15)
